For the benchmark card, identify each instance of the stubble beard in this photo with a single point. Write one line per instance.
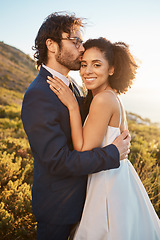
(65, 58)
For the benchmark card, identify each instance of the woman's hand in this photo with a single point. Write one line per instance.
(63, 92)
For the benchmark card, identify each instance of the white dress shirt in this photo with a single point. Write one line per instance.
(67, 80)
(57, 74)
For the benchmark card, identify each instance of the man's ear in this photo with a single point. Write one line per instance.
(51, 45)
(111, 71)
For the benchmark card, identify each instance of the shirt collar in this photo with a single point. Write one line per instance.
(57, 74)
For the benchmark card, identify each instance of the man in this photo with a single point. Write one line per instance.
(60, 173)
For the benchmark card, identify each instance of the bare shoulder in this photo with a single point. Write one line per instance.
(105, 99)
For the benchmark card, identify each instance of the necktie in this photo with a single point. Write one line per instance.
(73, 89)
(71, 86)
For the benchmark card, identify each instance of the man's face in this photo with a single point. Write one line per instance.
(69, 55)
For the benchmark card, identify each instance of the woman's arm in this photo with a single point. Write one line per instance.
(68, 99)
(100, 114)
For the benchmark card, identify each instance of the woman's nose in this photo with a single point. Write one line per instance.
(88, 70)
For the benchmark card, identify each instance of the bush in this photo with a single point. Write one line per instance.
(16, 177)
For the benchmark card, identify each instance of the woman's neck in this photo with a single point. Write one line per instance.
(96, 91)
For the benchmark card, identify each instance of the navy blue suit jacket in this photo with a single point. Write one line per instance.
(60, 173)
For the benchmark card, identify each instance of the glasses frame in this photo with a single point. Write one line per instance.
(78, 42)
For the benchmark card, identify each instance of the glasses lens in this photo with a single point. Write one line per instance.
(77, 42)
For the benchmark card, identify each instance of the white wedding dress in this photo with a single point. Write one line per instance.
(117, 206)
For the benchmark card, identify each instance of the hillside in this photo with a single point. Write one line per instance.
(17, 70)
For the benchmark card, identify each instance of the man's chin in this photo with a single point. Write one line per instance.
(76, 68)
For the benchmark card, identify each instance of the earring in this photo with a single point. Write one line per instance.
(110, 74)
(111, 71)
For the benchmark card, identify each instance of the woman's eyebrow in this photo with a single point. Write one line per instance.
(95, 60)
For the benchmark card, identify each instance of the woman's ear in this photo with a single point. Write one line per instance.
(51, 45)
(111, 71)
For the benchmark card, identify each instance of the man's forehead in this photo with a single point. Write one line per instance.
(75, 32)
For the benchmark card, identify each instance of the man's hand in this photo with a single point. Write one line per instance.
(122, 142)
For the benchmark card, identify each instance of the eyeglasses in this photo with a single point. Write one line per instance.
(77, 41)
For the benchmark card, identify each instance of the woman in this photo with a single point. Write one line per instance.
(117, 206)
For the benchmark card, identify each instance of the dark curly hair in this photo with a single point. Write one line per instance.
(118, 55)
(53, 27)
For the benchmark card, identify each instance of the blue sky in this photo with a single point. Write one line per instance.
(136, 22)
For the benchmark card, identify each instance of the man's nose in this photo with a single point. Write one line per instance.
(81, 48)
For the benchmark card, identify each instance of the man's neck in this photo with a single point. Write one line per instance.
(57, 74)
(59, 68)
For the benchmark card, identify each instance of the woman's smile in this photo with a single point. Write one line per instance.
(94, 70)
(90, 79)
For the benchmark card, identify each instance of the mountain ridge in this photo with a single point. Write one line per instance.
(17, 69)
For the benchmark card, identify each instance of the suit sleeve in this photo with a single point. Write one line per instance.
(41, 120)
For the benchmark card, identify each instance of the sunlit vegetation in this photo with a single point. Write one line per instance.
(145, 157)
(16, 165)
(16, 176)
(17, 70)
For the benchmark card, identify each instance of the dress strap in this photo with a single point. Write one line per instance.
(120, 105)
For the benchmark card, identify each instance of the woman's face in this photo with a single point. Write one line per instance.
(95, 70)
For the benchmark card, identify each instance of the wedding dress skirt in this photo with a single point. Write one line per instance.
(117, 206)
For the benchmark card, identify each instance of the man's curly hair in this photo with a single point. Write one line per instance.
(53, 27)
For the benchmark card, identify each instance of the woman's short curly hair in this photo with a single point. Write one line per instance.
(118, 55)
(53, 27)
